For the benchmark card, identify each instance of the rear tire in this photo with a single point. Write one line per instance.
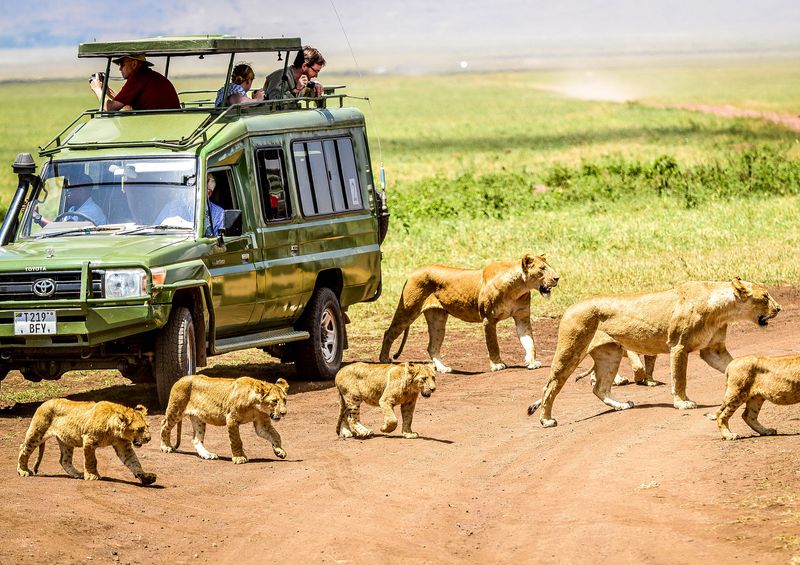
(175, 352)
(321, 355)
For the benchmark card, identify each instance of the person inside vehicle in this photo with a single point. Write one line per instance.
(144, 89)
(78, 200)
(216, 214)
(298, 81)
(241, 80)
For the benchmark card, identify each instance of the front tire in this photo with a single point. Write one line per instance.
(175, 352)
(321, 355)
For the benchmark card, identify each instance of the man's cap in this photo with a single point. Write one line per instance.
(141, 58)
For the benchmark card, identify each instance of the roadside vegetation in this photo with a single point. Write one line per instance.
(620, 196)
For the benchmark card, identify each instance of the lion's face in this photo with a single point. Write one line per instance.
(424, 378)
(273, 399)
(762, 306)
(132, 426)
(539, 274)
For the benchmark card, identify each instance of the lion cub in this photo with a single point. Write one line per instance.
(384, 385)
(89, 425)
(754, 379)
(225, 402)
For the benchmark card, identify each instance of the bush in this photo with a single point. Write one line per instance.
(753, 172)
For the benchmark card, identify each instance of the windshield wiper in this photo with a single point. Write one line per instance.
(161, 227)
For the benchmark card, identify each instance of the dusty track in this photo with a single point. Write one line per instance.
(484, 482)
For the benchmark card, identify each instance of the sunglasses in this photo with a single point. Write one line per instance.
(313, 69)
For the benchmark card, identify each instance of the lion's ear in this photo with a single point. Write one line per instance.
(282, 384)
(527, 262)
(142, 409)
(118, 422)
(740, 289)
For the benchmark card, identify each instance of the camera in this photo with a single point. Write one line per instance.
(98, 76)
(311, 84)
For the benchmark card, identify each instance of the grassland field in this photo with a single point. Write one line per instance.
(621, 196)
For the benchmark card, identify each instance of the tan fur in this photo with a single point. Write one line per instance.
(691, 317)
(754, 379)
(383, 385)
(499, 291)
(642, 372)
(225, 402)
(89, 425)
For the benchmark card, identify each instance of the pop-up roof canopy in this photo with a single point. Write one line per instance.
(187, 45)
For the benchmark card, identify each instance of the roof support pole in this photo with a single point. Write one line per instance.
(227, 80)
(105, 86)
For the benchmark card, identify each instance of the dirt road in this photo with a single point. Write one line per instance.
(483, 483)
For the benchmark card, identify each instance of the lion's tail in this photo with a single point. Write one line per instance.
(38, 458)
(584, 374)
(402, 344)
(178, 427)
(342, 411)
(533, 407)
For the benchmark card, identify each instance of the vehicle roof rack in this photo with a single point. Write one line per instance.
(187, 45)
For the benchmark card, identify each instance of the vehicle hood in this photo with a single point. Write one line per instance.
(98, 249)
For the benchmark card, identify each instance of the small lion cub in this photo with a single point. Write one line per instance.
(754, 379)
(385, 385)
(89, 425)
(225, 402)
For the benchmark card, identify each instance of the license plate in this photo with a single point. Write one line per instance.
(35, 322)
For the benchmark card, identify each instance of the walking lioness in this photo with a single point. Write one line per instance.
(691, 317)
(489, 295)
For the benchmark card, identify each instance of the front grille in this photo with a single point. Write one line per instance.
(20, 286)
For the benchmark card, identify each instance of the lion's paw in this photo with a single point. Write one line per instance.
(279, 452)
(389, 427)
(548, 423)
(209, 455)
(147, 478)
(619, 380)
(684, 404)
(167, 448)
(730, 436)
(239, 459)
(410, 435)
(534, 364)
(497, 366)
(87, 476)
(769, 432)
(624, 405)
(24, 472)
(441, 367)
(344, 433)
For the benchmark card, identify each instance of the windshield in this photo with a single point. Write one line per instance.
(112, 195)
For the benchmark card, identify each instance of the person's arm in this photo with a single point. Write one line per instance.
(110, 104)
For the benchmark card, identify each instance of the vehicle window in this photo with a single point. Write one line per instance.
(95, 193)
(273, 181)
(326, 176)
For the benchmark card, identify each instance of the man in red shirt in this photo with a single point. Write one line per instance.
(145, 89)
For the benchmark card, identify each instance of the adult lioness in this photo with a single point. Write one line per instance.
(691, 317)
(383, 385)
(499, 291)
(754, 379)
(225, 402)
(89, 425)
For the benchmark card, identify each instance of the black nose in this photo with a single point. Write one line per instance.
(555, 279)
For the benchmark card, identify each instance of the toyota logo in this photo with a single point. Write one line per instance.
(44, 288)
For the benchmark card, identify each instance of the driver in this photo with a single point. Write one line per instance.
(78, 200)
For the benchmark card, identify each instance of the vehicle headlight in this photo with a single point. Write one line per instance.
(125, 283)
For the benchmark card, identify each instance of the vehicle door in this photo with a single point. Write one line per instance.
(232, 264)
(279, 269)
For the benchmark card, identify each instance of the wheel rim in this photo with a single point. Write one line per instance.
(328, 336)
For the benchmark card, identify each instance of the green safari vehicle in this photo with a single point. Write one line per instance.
(143, 284)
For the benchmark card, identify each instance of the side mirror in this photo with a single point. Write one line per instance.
(231, 225)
